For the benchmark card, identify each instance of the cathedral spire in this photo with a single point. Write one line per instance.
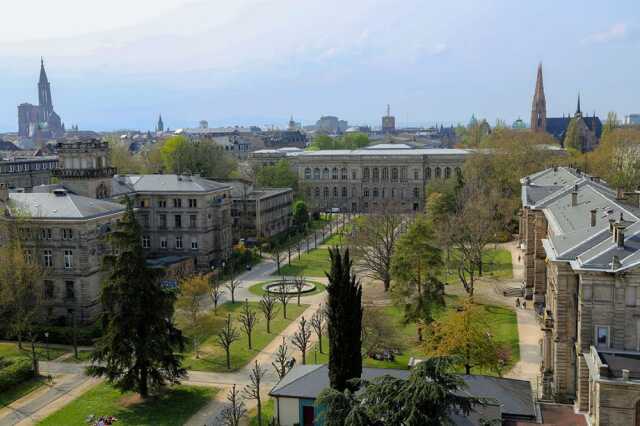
(43, 73)
(539, 105)
(44, 93)
(160, 125)
(578, 112)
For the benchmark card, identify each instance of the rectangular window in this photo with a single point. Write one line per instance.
(145, 203)
(67, 234)
(45, 234)
(177, 221)
(192, 221)
(48, 289)
(630, 294)
(145, 220)
(68, 259)
(163, 243)
(354, 174)
(193, 203)
(194, 244)
(179, 242)
(146, 241)
(162, 204)
(48, 258)
(163, 221)
(177, 203)
(602, 336)
(69, 291)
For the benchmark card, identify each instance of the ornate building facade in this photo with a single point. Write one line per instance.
(40, 122)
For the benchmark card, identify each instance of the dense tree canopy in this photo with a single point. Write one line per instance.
(279, 175)
(180, 155)
(348, 141)
(617, 158)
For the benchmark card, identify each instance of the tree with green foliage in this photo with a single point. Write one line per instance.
(322, 142)
(610, 124)
(279, 175)
(572, 139)
(300, 216)
(139, 347)
(464, 334)
(344, 320)
(428, 397)
(355, 140)
(181, 155)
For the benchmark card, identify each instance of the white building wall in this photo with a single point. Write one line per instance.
(288, 410)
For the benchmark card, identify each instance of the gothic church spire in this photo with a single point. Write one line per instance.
(539, 105)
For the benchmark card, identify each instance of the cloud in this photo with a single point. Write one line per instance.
(615, 32)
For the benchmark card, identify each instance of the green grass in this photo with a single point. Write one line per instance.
(10, 350)
(212, 356)
(173, 407)
(83, 356)
(496, 264)
(258, 290)
(313, 263)
(503, 323)
(15, 393)
(268, 411)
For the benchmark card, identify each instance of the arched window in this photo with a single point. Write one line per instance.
(326, 192)
(316, 192)
(335, 192)
(376, 174)
(394, 174)
(344, 191)
(385, 173)
(343, 174)
(334, 173)
(325, 173)
(375, 192)
(447, 172)
(307, 173)
(316, 173)
(427, 173)
(438, 173)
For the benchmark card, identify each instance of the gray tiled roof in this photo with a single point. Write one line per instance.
(368, 152)
(163, 183)
(53, 206)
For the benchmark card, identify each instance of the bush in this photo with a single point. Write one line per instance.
(17, 371)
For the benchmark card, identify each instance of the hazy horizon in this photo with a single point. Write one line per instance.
(119, 64)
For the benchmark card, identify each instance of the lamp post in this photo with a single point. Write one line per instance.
(46, 343)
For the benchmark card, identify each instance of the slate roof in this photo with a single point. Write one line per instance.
(513, 396)
(58, 206)
(557, 126)
(163, 183)
(374, 151)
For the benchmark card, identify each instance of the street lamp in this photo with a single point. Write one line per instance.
(46, 336)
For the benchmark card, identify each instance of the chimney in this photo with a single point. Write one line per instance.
(555, 169)
(593, 217)
(574, 198)
(615, 262)
(625, 374)
(4, 192)
(527, 180)
(611, 225)
(620, 235)
(619, 194)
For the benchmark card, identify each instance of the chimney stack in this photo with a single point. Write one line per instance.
(615, 262)
(611, 225)
(620, 235)
(574, 198)
(593, 217)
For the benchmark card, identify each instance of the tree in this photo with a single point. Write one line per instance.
(378, 333)
(318, 324)
(610, 124)
(225, 338)
(299, 283)
(252, 390)
(428, 397)
(344, 320)
(300, 216)
(215, 292)
(268, 308)
(277, 253)
(181, 155)
(465, 334)
(373, 241)
(279, 175)
(283, 296)
(302, 337)
(234, 411)
(21, 285)
(248, 320)
(193, 292)
(139, 345)
(232, 283)
(281, 360)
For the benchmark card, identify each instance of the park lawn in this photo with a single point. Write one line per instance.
(15, 393)
(173, 407)
(496, 264)
(10, 350)
(212, 355)
(313, 263)
(83, 356)
(268, 411)
(258, 290)
(503, 322)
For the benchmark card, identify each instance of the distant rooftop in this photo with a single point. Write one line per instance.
(60, 205)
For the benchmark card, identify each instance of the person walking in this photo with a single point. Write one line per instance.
(517, 302)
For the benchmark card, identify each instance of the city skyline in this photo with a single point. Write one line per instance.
(250, 63)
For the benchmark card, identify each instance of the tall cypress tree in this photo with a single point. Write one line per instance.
(344, 321)
(138, 348)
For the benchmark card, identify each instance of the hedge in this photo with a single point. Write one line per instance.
(19, 370)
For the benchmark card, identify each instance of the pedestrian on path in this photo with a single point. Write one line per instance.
(524, 305)
(517, 302)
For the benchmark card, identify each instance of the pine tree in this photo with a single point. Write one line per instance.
(138, 348)
(344, 321)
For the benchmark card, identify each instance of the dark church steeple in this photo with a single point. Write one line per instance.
(539, 105)
(578, 112)
(160, 125)
(44, 93)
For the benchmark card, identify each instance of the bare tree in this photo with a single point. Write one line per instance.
(232, 284)
(234, 411)
(373, 242)
(283, 296)
(226, 337)
(215, 292)
(248, 320)
(252, 390)
(268, 308)
(302, 337)
(281, 361)
(317, 323)
(299, 283)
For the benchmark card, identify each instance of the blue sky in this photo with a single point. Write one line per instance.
(118, 64)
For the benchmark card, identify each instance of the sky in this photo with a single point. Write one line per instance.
(118, 64)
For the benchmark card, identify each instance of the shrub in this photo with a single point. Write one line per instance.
(17, 371)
